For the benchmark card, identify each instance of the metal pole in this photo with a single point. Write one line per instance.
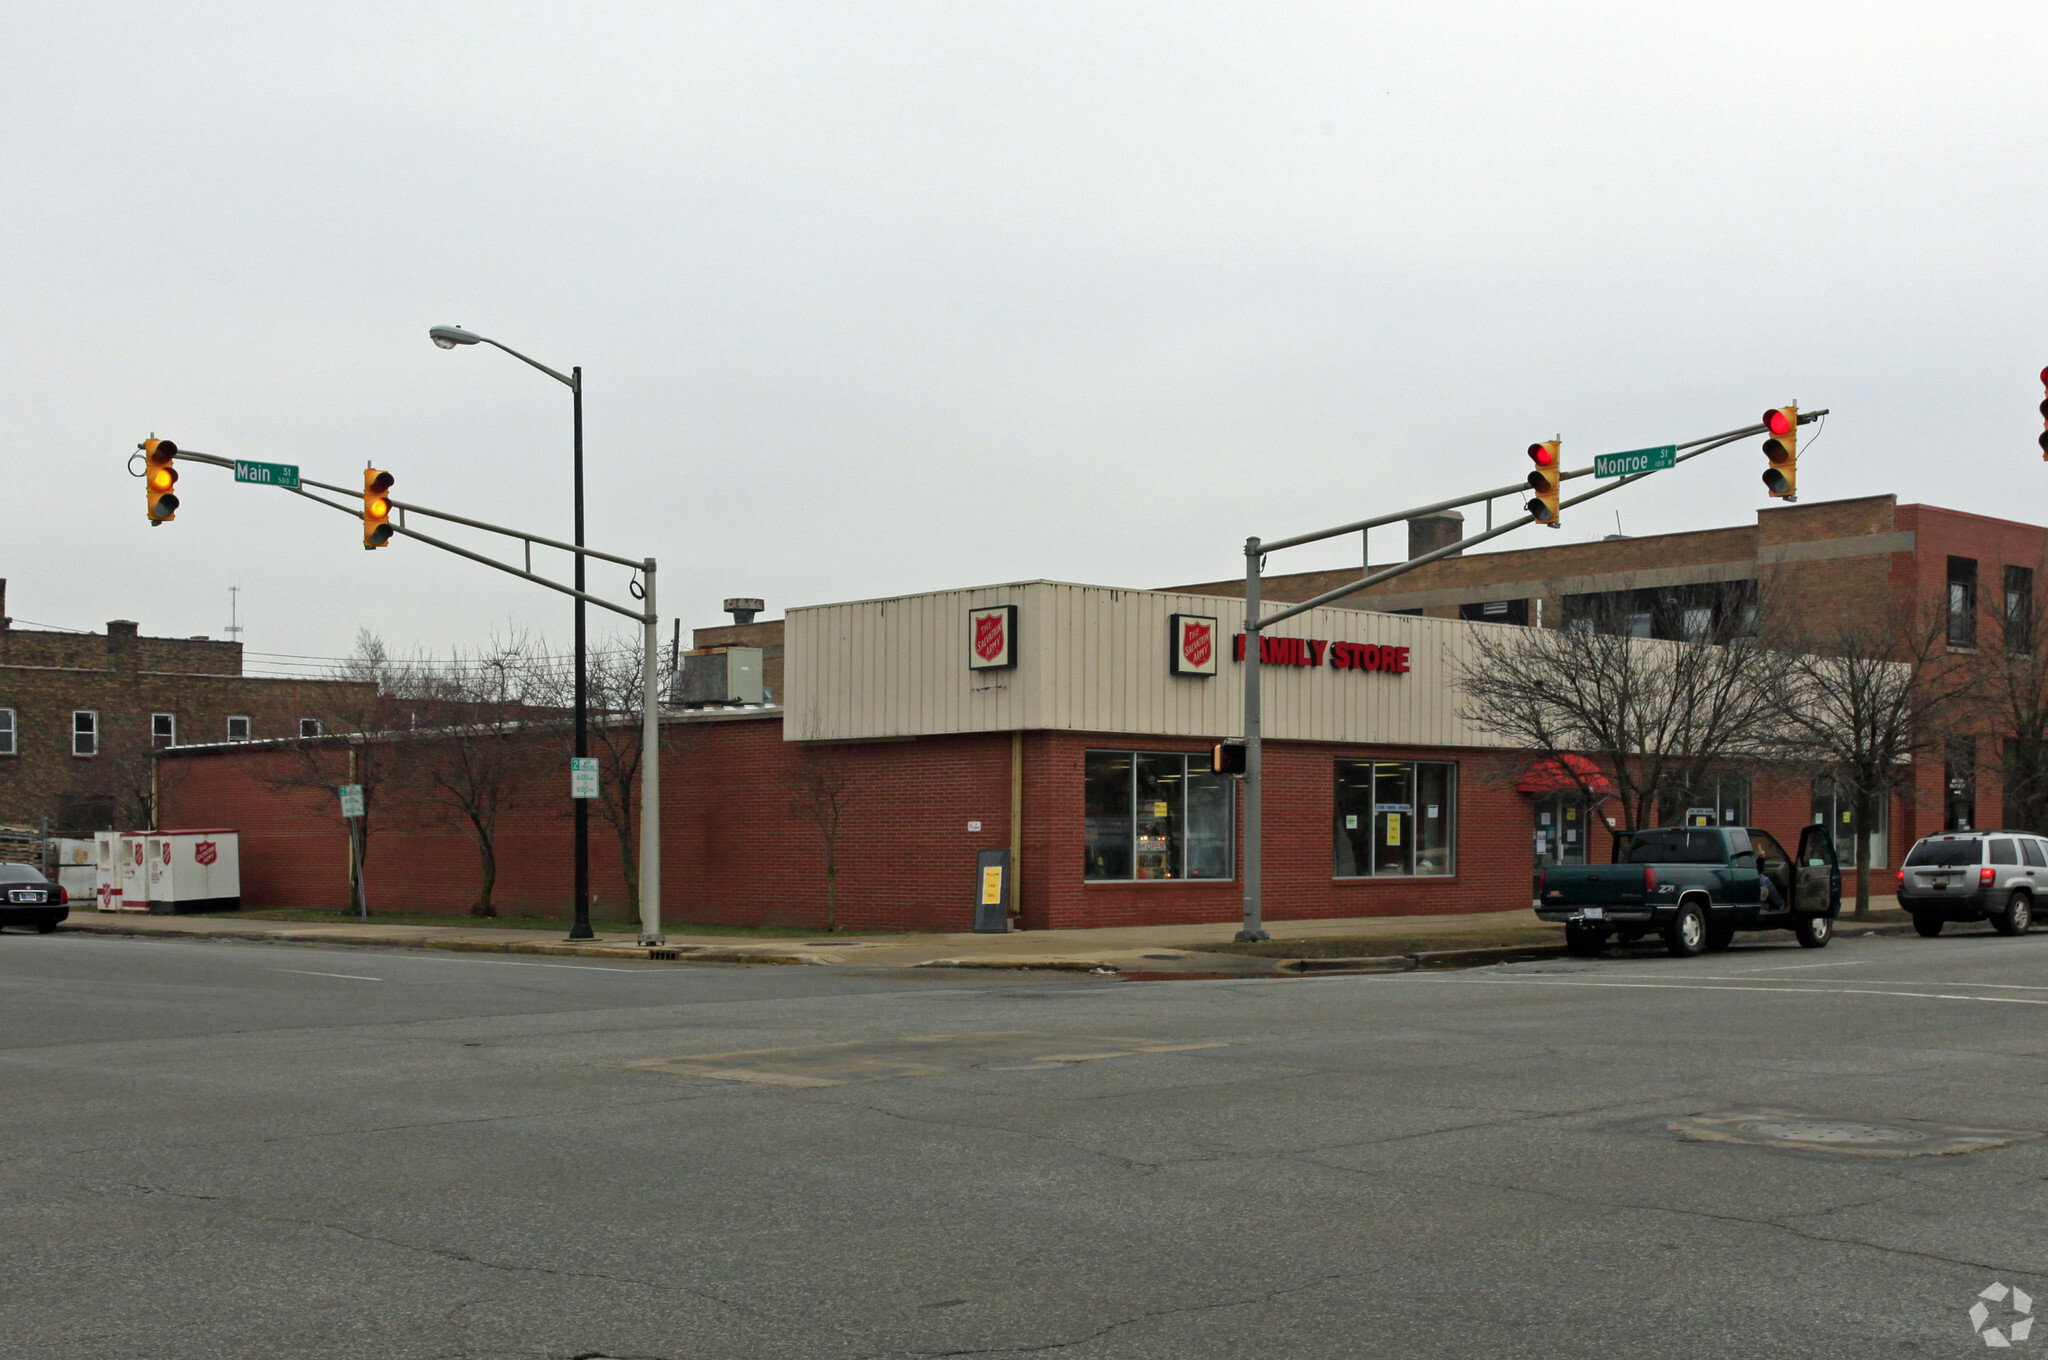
(650, 768)
(581, 929)
(1254, 920)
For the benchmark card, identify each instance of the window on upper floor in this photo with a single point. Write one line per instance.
(7, 745)
(163, 729)
(2019, 609)
(1962, 602)
(309, 727)
(85, 732)
(238, 728)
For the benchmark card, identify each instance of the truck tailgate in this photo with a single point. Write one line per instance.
(1593, 885)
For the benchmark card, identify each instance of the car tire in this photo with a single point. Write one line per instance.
(46, 927)
(1584, 944)
(2018, 916)
(1719, 936)
(1927, 923)
(1686, 936)
(1814, 932)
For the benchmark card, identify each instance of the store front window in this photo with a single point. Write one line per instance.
(1717, 799)
(1157, 815)
(1395, 818)
(1835, 809)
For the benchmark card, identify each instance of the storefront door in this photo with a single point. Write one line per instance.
(1562, 827)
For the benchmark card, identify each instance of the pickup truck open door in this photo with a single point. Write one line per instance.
(1817, 876)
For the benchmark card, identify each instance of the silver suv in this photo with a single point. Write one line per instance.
(1974, 876)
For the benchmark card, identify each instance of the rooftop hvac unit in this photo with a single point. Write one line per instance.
(731, 676)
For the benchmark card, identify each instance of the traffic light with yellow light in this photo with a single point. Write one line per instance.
(158, 479)
(1544, 481)
(1781, 446)
(376, 508)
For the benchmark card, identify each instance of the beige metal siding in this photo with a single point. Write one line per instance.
(1095, 659)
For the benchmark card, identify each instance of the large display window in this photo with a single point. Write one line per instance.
(1157, 815)
(1396, 818)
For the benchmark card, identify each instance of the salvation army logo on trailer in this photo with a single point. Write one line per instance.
(1194, 644)
(206, 852)
(992, 638)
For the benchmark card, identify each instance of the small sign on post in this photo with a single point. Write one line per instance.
(583, 776)
(351, 800)
(268, 474)
(1635, 460)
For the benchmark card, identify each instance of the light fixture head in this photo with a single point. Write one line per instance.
(448, 337)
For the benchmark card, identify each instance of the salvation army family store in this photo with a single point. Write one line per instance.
(1070, 725)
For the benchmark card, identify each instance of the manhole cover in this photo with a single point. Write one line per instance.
(1828, 1131)
(1817, 1133)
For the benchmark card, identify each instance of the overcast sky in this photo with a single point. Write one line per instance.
(877, 298)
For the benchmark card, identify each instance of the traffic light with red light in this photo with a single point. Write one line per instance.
(376, 508)
(1544, 481)
(1781, 446)
(158, 479)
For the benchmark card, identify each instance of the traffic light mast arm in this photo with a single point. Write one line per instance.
(1697, 447)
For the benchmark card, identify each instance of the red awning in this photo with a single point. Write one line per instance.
(1555, 775)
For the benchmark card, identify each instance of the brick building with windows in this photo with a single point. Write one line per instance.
(83, 714)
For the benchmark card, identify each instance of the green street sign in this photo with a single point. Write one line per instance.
(1635, 460)
(268, 474)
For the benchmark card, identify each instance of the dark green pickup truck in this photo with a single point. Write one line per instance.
(1697, 886)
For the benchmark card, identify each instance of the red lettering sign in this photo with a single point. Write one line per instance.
(1317, 652)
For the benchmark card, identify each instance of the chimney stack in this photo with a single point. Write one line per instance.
(1427, 533)
(743, 609)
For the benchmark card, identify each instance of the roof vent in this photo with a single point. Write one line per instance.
(743, 609)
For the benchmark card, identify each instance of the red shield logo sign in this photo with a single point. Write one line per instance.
(988, 636)
(1197, 643)
(167, 852)
(138, 852)
(206, 852)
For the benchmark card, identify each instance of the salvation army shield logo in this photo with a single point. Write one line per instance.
(1194, 644)
(206, 852)
(992, 638)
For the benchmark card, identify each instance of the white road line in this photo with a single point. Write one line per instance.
(1867, 982)
(1764, 991)
(506, 963)
(352, 977)
(1788, 967)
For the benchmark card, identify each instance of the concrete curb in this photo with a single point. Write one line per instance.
(676, 953)
(1024, 961)
(1429, 958)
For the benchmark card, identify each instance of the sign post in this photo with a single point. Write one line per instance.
(352, 811)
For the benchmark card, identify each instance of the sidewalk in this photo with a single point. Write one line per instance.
(1127, 949)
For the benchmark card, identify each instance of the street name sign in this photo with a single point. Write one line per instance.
(351, 800)
(268, 474)
(583, 776)
(1635, 460)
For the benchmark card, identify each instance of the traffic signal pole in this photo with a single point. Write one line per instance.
(646, 617)
(1255, 623)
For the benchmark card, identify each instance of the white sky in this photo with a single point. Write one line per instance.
(881, 298)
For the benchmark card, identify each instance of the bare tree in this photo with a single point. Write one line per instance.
(1657, 717)
(1861, 699)
(828, 786)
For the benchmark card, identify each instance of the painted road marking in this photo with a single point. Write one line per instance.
(922, 1056)
(1765, 991)
(352, 977)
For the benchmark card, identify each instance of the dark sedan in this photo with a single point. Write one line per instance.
(29, 899)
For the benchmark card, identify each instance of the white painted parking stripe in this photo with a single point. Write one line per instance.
(1866, 982)
(352, 977)
(1762, 991)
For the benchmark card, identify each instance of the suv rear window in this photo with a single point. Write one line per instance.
(1675, 847)
(1943, 854)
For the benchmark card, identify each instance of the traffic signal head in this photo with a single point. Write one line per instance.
(1781, 446)
(158, 477)
(1228, 757)
(1544, 481)
(376, 508)
(2044, 415)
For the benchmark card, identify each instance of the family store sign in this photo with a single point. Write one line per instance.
(1338, 656)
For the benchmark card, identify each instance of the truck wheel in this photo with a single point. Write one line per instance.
(1927, 923)
(2017, 917)
(50, 928)
(1686, 936)
(1581, 943)
(1814, 932)
(1719, 936)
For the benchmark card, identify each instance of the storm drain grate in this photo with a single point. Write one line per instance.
(670, 954)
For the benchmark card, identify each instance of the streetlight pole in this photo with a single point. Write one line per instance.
(448, 337)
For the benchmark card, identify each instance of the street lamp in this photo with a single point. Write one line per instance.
(448, 337)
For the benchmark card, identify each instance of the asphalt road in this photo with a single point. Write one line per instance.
(225, 1150)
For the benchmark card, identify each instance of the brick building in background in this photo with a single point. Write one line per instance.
(83, 714)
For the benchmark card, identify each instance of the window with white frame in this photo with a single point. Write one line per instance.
(7, 746)
(85, 732)
(163, 729)
(309, 727)
(238, 728)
